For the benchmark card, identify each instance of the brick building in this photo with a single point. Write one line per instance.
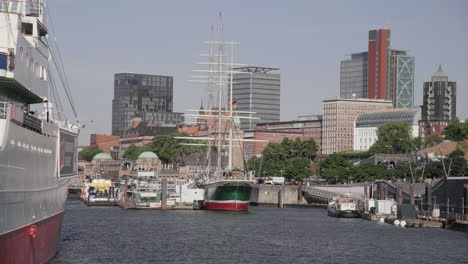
(104, 142)
(306, 128)
(339, 116)
(256, 148)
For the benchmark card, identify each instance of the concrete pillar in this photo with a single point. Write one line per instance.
(365, 191)
(399, 193)
(385, 191)
(280, 197)
(429, 198)
(465, 202)
(299, 193)
(411, 193)
(125, 195)
(164, 194)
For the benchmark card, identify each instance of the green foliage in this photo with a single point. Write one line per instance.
(393, 137)
(432, 139)
(169, 149)
(457, 163)
(290, 158)
(434, 169)
(417, 143)
(456, 131)
(132, 152)
(87, 153)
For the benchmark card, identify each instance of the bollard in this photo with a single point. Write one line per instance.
(164, 194)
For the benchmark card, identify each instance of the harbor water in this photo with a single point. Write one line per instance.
(262, 235)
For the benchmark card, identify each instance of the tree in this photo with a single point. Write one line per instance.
(87, 153)
(132, 152)
(169, 149)
(393, 137)
(290, 158)
(456, 131)
(335, 168)
(298, 168)
(434, 169)
(417, 143)
(457, 163)
(432, 139)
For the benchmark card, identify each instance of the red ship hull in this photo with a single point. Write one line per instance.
(227, 206)
(34, 243)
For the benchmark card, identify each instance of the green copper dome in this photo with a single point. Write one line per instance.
(148, 154)
(102, 155)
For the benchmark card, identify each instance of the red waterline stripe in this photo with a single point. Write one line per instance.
(227, 206)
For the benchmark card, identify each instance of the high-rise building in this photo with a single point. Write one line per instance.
(149, 96)
(353, 76)
(439, 103)
(339, 116)
(401, 83)
(257, 89)
(378, 63)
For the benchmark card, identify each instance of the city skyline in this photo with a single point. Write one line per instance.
(308, 50)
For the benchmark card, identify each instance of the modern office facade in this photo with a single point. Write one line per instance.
(366, 125)
(353, 76)
(339, 116)
(257, 89)
(401, 82)
(378, 63)
(439, 103)
(149, 96)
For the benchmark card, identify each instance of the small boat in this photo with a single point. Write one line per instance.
(343, 207)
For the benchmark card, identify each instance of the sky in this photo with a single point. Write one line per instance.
(305, 39)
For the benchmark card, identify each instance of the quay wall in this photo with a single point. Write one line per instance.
(270, 194)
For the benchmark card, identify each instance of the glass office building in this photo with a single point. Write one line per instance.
(401, 82)
(149, 96)
(353, 76)
(257, 90)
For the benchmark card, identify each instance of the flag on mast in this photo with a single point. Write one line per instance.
(234, 104)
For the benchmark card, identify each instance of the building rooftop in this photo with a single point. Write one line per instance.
(439, 72)
(410, 115)
(358, 100)
(148, 154)
(255, 69)
(102, 156)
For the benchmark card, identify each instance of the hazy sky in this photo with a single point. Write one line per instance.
(305, 39)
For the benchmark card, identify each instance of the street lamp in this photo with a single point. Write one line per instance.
(281, 172)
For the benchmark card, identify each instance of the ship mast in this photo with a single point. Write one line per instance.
(220, 94)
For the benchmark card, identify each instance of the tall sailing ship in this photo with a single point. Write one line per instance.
(38, 148)
(228, 187)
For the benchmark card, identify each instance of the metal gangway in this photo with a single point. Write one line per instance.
(316, 195)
